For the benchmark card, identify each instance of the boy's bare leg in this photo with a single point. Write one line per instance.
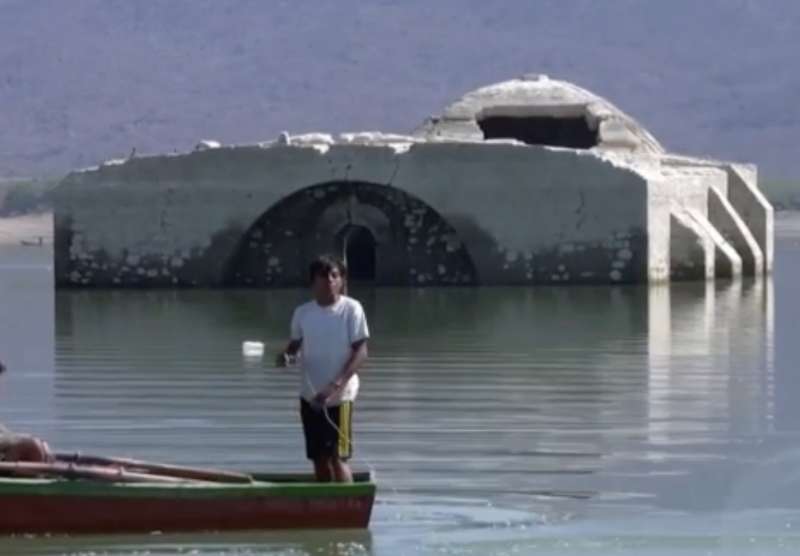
(341, 471)
(323, 471)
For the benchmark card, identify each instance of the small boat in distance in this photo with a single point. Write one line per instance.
(90, 494)
(37, 243)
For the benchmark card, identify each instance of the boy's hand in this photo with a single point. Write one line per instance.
(321, 399)
(285, 360)
(288, 356)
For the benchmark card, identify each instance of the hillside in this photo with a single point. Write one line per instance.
(87, 80)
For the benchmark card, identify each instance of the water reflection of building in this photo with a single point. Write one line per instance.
(710, 354)
(27, 338)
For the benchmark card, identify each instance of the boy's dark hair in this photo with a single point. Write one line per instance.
(2, 368)
(323, 264)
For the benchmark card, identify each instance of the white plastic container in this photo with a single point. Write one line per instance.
(253, 349)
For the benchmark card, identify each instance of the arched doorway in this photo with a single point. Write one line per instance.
(358, 250)
(387, 237)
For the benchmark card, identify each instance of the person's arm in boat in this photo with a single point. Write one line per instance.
(22, 447)
(5, 433)
(357, 357)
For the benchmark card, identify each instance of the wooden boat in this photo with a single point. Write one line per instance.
(74, 498)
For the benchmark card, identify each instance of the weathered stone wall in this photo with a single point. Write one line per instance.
(441, 213)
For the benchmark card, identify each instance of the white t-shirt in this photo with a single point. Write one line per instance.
(328, 334)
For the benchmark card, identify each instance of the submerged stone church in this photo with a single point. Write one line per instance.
(529, 181)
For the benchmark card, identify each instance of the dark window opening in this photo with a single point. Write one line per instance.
(573, 133)
(358, 246)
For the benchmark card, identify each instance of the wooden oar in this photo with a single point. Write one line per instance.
(178, 471)
(94, 473)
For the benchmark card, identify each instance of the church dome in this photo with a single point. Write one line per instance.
(538, 110)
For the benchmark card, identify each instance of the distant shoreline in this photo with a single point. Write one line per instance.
(35, 229)
(782, 194)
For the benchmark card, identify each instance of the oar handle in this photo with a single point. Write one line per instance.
(75, 471)
(167, 470)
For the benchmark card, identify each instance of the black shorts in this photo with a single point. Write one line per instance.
(323, 439)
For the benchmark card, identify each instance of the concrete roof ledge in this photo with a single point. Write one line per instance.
(614, 133)
(528, 110)
(679, 160)
(596, 112)
(206, 144)
(375, 138)
(503, 141)
(111, 162)
(315, 138)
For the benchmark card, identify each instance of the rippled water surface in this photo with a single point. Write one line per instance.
(625, 420)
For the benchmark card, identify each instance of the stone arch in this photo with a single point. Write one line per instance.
(412, 244)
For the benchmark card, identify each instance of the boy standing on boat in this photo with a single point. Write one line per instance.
(17, 447)
(330, 333)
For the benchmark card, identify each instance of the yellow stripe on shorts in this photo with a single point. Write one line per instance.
(344, 429)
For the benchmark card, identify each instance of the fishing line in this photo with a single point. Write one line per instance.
(256, 349)
(335, 427)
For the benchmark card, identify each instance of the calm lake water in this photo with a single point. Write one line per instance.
(614, 420)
